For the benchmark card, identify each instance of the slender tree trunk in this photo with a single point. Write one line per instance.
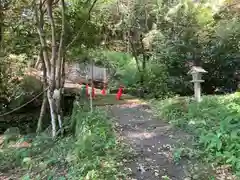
(50, 64)
(53, 93)
(39, 24)
(42, 113)
(44, 103)
(143, 70)
(1, 23)
(52, 107)
(60, 74)
(54, 48)
(55, 65)
(91, 94)
(237, 78)
(1, 30)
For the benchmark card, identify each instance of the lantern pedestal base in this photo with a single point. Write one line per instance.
(197, 91)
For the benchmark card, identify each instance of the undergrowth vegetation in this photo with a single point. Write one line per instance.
(91, 152)
(214, 122)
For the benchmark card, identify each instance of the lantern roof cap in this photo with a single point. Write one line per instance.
(196, 69)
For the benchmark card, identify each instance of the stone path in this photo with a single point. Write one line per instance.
(153, 140)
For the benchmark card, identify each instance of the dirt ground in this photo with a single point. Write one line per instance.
(153, 141)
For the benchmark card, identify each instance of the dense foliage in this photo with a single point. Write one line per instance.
(156, 41)
(186, 33)
(146, 45)
(214, 122)
(93, 152)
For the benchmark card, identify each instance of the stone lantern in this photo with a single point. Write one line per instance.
(197, 72)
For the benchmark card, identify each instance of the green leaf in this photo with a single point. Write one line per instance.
(234, 134)
(26, 177)
(238, 165)
(219, 144)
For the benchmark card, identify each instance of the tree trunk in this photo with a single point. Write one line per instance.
(60, 74)
(42, 113)
(143, 71)
(1, 31)
(53, 92)
(44, 103)
(52, 107)
(142, 75)
(237, 78)
(49, 64)
(1, 24)
(54, 48)
(39, 24)
(55, 65)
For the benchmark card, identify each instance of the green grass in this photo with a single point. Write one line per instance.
(214, 122)
(93, 151)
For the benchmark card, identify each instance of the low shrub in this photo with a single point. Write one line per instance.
(91, 151)
(96, 150)
(214, 122)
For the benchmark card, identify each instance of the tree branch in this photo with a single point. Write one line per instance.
(39, 26)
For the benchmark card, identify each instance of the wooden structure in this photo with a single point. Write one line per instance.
(196, 73)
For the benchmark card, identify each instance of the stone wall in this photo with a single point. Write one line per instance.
(75, 72)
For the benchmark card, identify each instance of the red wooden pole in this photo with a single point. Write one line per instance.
(119, 93)
(103, 92)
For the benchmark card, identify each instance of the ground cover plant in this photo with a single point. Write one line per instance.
(214, 122)
(91, 152)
